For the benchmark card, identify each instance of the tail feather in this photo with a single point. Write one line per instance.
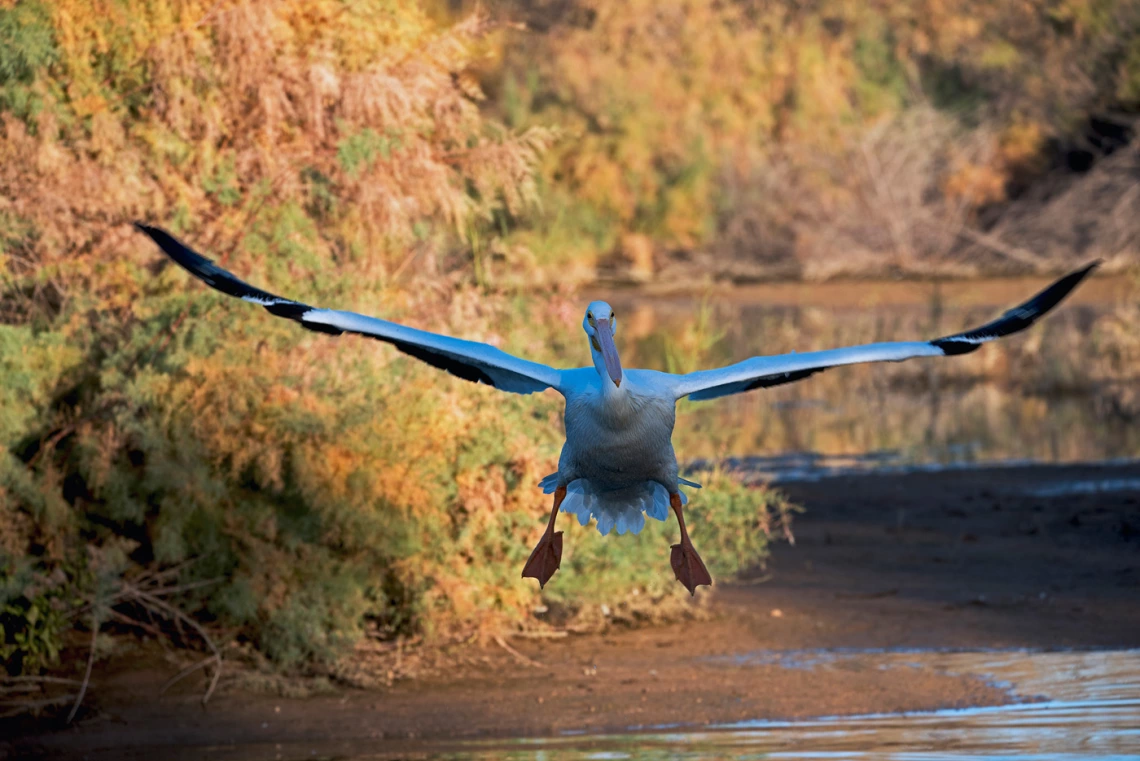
(621, 510)
(549, 484)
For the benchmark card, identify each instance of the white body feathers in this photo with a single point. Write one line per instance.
(618, 463)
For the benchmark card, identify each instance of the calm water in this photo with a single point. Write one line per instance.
(1071, 706)
(1067, 390)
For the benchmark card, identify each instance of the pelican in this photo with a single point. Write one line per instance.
(617, 465)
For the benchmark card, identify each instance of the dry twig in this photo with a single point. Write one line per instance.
(90, 663)
(542, 634)
(37, 679)
(988, 241)
(185, 673)
(149, 599)
(516, 654)
(24, 706)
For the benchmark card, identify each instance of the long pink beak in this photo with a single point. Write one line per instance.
(609, 351)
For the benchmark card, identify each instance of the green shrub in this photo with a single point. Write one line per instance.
(301, 487)
(33, 616)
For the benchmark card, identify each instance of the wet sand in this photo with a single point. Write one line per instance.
(968, 559)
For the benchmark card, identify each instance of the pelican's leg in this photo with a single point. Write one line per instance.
(687, 564)
(547, 554)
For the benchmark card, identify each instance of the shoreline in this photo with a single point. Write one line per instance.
(1113, 285)
(967, 560)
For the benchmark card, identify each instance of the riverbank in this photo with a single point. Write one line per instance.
(1035, 557)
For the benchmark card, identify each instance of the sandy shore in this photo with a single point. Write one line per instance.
(950, 560)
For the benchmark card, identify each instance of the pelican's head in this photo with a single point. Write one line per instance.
(600, 325)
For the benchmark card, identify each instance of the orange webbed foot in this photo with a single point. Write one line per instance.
(689, 568)
(545, 559)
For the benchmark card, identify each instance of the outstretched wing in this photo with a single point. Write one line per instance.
(764, 372)
(469, 360)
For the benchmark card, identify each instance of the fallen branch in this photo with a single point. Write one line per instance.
(541, 634)
(754, 581)
(185, 673)
(46, 679)
(152, 577)
(87, 674)
(149, 599)
(145, 592)
(986, 240)
(19, 688)
(516, 654)
(24, 706)
(149, 628)
(162, 591)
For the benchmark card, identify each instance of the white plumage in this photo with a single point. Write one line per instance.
(622, 509)
(617, 465)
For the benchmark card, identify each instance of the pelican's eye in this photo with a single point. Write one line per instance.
(594, 342)
(590, 318)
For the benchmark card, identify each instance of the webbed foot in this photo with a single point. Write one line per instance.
(689, 568)
(545, 559)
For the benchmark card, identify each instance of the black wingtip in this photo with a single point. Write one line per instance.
(154, 233)
(194, 262)
(210, 273)
(1019, 318)
(161, 237)
(1055, 293)
(1083, 272)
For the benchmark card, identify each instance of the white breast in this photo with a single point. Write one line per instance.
(618, 460)
(621, 439)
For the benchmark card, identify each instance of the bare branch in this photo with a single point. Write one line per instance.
(516, 654)
(90, 663)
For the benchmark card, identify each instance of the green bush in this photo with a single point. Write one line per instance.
(33, 618)
(298, 488)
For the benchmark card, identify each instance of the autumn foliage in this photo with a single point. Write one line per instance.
(303, 490)
(383, 156)
(757, 138)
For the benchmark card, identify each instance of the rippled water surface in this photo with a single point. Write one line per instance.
(1070, 706)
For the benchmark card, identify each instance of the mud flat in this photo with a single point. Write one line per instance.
(892, 578)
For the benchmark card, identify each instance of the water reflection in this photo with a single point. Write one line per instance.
(1066, 391)
(1074, 705)
(1094, 486)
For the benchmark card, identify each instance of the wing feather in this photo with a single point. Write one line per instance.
(765, 372)
(469, 360)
